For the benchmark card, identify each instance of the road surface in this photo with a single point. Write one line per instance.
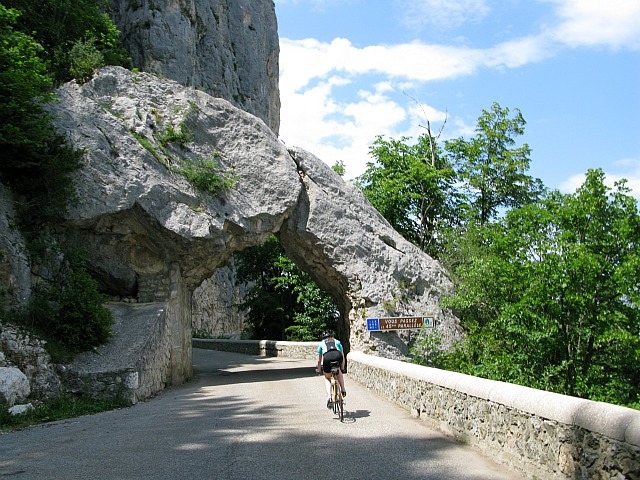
(244, 417)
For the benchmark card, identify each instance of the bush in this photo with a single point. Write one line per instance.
(70, 315)
(85, 59)
(206, 175)
(82, 320)
(181, 136)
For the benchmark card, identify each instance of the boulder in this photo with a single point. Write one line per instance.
(19, 409)
(14, 386)
(27, 353)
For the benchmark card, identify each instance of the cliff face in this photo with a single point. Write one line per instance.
(227, 48)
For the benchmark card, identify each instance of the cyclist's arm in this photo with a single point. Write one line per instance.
(319, 362)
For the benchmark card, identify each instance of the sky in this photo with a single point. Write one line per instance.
(351, 70)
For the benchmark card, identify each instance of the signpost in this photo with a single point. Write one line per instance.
(398, 323)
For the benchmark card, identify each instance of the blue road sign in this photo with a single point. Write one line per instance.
(398, 323)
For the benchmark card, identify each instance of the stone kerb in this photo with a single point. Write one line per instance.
(543, 434)
(265, 348)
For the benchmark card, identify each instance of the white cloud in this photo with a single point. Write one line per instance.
(628, 169)
(333, 130)
(518, 52)
(613, 23)
(442, 13)
(303, 60)
(314, 74)
(571, 184)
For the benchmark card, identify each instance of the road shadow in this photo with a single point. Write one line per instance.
(225, 368)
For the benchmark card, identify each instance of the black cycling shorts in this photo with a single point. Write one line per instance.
(329, 357)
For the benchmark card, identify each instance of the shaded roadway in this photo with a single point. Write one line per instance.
(243, 417)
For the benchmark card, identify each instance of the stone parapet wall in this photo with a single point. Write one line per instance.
(264, 348)
(543, 434)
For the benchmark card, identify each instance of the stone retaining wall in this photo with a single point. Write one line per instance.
(135, 365)
(543, 434)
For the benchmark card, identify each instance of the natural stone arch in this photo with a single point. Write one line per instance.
(149, 232)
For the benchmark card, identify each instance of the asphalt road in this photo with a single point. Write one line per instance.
(244, 417)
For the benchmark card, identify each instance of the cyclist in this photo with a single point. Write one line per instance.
(330, 350)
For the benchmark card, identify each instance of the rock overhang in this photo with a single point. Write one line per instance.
(140, 217)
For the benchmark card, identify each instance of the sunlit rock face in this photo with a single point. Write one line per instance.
(227, 48)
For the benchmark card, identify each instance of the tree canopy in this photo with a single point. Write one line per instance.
(283, 303)
(71, 32)
(35, 160)
(492, 170)
(412, 190)
(546, 283)
(551, 301)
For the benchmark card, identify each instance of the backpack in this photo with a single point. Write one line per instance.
(331, 345)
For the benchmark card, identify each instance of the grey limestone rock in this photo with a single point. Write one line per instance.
(15, 275)
(148, 228)
(14, 386)
(227, 48)
(20, 409)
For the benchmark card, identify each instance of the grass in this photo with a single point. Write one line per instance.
(60, 408)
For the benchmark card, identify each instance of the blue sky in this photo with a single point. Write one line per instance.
(354, 69)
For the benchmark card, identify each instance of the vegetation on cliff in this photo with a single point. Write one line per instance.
(43, 43)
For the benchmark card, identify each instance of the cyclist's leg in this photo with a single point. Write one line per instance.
(327, 384)
(326, 370)
(341, 376)
(341, 381)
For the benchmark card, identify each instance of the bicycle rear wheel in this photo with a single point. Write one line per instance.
(340, 403)
(335, 396)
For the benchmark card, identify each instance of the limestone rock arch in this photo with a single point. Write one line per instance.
(151, 235)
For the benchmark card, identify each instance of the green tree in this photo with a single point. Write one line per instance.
(412, 186)
(69, 312)
(283, 302)
(492, 170)
(36, 161)
(85, 59)
(552, 300)
(61, 25)
(24, 87)
(339, 168)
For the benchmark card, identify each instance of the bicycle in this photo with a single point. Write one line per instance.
(336, 392)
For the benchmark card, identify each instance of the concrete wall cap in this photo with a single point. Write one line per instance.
(610, 420)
